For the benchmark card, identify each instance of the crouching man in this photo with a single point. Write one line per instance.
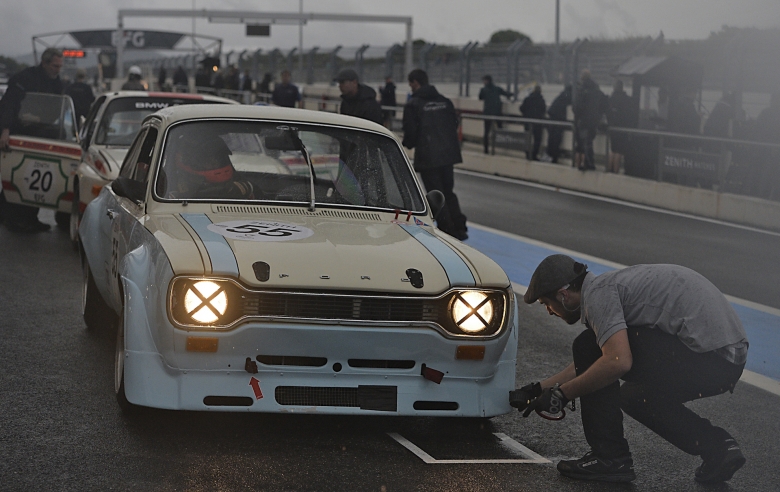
(668, 333)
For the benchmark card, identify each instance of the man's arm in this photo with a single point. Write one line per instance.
(615, 361)
(562, 377)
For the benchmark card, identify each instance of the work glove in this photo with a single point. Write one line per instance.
(551, 402)
(520, 398)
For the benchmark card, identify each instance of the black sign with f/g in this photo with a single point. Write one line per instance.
(258, 30)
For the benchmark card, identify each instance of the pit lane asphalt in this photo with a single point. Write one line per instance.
(61, 429)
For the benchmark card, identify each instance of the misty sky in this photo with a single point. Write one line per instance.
(439, 21)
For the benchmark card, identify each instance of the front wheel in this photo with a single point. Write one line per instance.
(97, 314)
(119, 368)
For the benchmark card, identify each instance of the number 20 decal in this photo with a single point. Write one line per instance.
(40, 181)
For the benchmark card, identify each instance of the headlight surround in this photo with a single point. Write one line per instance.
(474, 312)
(204, 302)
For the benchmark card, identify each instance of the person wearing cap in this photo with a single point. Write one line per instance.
(133, 82)
(286, 93)
(430, 125)
(668, 333)
(358, 99)
(43, 78)
(81, 93)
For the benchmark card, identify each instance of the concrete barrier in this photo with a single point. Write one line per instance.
(728, 207)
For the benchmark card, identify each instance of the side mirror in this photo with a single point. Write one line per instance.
(436, 201)
(129, 188)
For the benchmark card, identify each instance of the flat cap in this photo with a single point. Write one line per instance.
(346, 74)
(553, 272)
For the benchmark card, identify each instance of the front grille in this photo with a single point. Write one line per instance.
(365, 397)
(340, 308)
(273, 210)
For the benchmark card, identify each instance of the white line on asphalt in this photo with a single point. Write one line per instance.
(505, 440)
(615, 201)
(749, 377)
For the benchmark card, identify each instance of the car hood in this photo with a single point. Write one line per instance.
(323, 253)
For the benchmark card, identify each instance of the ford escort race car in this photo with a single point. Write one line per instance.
(107, 132)
(241, 280)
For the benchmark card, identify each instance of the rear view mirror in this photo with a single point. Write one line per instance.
(283, 141)
(436, 201)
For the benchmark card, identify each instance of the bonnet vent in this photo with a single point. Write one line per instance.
(259, 209)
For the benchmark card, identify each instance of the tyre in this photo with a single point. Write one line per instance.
(119, 368)
(74, 220)
(97, 314)
(63, 220)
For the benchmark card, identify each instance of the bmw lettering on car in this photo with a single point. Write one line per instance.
(241, 279)
(107, 132)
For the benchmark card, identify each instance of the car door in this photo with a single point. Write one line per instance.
(43, 153)
(127, 212)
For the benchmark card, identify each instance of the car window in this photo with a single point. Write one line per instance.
(46, 116)
(89, 123)
(123, 117)
(143, 159)
(262, 161)
(128, 165)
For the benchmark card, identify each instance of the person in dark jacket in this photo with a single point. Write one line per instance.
(620, 115)
(44, 78)
(534, 106)
(387, 98)
(589, 106)
(180, 79)
(286, 93)
(133, 82)
(491, 95)
(203, 77)
(246, 81)
(558, 111)
(162, 76)
(81, 93)
(358, 99)
(430, 126)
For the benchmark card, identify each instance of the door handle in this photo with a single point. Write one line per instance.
(110, 214)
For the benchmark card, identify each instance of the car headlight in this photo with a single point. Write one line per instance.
(476, 312)
(204, 302)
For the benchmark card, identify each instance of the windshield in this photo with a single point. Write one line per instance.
(260, 161)
(46, 116)
(123, 117)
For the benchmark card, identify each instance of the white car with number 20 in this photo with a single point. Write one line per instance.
(240, 284)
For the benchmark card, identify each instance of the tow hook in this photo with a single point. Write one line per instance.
(250, 366)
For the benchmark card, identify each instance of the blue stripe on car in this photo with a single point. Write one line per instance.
(223, 261)
(456, 269)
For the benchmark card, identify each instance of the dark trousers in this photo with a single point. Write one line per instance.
(537, 132)
(584, 145)
(489, 125)
(450, 219)
(554, 139)
(664, 375)
(19, 214)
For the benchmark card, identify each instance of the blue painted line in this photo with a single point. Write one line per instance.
(519, 259)
(458, 273)
(223, 260)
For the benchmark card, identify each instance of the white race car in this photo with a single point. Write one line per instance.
(109, 129)
(239, 284)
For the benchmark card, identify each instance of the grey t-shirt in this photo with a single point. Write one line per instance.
(671, 298)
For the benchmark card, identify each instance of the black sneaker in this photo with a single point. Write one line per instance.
(592, 467)
(723, 468)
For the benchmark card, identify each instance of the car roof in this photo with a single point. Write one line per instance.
(201, 111)
(171, 95)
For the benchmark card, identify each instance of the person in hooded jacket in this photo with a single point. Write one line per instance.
(133, 82)
(430, 126)
(358, 99)
(534, 107)
(558, 111)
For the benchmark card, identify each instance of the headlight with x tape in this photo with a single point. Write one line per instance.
(207, 303)
(476, 313)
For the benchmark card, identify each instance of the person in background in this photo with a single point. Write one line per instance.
(246, 81)
(180, 79)
(387, 98)
(286, 93)
(81, 93)
(558, 111)
(534, 106)
(430, 126)
(620, 115)
(589, 106)
(265, 85)
(44, 78)
(491, 95)
(668, 333)
(133, 82)
(358, 99)
(162, 76)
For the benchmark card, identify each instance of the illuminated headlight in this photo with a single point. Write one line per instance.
(203, 303)
(472, 311)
